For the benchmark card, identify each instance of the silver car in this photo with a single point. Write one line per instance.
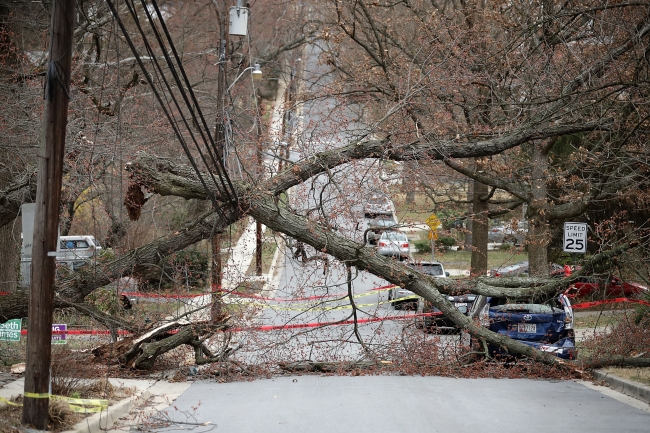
(378, 205)
(508, 235)
(394, 244)
(379, 225)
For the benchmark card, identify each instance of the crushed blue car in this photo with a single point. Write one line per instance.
(545, 326)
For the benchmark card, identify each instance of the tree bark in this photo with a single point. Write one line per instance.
(10, 247)
(538, 231)
(479, 229)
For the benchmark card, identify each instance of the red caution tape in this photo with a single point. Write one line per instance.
(258, 328)
(608, 301)
(339, 322)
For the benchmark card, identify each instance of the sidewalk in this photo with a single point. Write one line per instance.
(241, 255)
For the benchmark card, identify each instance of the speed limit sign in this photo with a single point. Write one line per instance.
(575, 237)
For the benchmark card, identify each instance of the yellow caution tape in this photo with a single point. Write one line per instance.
(76, 404)
(83, 409)
(9, 402)
(82, 401)
(36, 395)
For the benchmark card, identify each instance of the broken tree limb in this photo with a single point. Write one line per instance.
(141, 352)
(192, 335)
(329, 367)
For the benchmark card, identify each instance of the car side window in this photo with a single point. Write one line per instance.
(82, 244)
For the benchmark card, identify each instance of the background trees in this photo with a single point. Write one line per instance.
(465, 70)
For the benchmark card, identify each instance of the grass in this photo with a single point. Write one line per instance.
(596, 320)
(462, 259)
(232, 234)
(418, 211)
(637, 374)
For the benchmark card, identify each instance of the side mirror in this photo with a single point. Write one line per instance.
(446, 274)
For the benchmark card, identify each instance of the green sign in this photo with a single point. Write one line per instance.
(10, 331)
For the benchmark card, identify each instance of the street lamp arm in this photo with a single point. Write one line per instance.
(257, 73)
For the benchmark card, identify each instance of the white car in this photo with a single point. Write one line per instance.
(80, 247)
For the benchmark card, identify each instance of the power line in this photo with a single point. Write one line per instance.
(223, 189)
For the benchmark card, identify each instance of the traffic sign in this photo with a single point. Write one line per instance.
(575, 237)
(433, 235)
(433, 222)
(10, 330)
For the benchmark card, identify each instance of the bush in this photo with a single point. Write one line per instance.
(446, 241)
(423, 245)
(183, 268)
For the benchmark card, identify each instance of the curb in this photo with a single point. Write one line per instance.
(102, 421)
(628, 387)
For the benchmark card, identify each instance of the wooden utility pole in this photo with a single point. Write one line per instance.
(46, 220)
(216, 307)
(260, 172)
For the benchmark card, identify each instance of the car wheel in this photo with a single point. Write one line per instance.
(397, 305)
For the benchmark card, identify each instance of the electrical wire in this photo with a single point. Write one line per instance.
(170, 117)
(159, 70)
(218, 163)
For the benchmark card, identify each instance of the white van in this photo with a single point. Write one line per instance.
(79, 247)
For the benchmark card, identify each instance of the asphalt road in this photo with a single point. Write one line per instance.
(339, 198)
(313, 404)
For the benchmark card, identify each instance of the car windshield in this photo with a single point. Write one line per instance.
(394, 236)
(433, 269)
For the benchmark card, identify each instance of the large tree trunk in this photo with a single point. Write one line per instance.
(479, 229)
(538, 231)
(10, 246)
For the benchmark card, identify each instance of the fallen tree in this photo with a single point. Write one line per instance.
(163, 177)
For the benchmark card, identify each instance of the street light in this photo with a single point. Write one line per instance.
(257, 74)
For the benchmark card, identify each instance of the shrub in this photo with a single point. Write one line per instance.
(183, 268)
(446, 241)
(423, 245)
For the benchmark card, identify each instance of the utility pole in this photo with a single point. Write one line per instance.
(216, 310)
(46, 219)
(260, 173)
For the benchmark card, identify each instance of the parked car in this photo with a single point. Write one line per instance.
(378, 225)
(79, 247)
(545, 326)
(612, 287)
(508, 234)
(516, 270)
(434, 269)
(378, 205)
(395, 244)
